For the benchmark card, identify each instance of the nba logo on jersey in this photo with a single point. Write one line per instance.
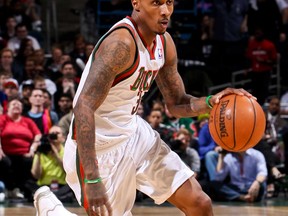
(160, 53)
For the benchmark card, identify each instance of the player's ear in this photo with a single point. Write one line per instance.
(135, 4)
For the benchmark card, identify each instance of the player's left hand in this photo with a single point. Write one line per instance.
(216, 98)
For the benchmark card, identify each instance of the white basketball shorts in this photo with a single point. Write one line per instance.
(144, 162)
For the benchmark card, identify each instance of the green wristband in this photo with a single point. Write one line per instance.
(94, 181)
(207, 101)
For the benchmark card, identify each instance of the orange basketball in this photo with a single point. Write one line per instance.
(237, 123)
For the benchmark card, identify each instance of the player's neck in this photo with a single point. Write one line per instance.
(148, 35)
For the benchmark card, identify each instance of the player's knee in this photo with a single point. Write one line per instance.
(200, 204)
(205, 201)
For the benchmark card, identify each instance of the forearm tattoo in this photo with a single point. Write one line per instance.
(109, 60)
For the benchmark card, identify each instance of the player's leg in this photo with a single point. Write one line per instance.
(163, 176)
(117, 173)
(191, 199)
(46, 203)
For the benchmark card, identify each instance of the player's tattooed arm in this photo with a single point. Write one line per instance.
(172, 88)
(112, 57)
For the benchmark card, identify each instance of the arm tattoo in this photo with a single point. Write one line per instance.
(172, 88)
(110, 59)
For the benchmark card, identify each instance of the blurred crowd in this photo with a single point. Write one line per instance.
(37, 90)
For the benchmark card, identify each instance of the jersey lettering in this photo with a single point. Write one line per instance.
(142, 83)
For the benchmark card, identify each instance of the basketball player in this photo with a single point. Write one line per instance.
(110, 151)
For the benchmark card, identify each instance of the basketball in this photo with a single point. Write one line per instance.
(237, 123)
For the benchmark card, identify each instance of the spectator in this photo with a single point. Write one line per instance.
(205, 141)
(276, 126)
(247, 171)
(68, 70)
(271, 144)
(32, 75)
(88, 50)
(48, 104)
(40, 60)
(18, 12)
(229, 36)
(78, 52)
(39, 82)
(10, 88)
(201, 121)
(41, 116)
(47, 165)
(21, 33)
(25, 95)
(33, 11)
(54, 64)
(155, 119)
(10, 27)
(64, 105)
(201, 40)
(25, 51)
(181, 145)
(29, 69)
(78, 48)
(3, 97)
(65, 58)
(262, 55)
(8, 64)
(208, 151)
(65, 122)
(266, 14)
(158, 105)
(68, 82)
(19, 139)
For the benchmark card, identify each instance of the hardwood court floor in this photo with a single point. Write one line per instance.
(278, 208)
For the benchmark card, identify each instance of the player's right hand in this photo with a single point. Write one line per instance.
(98, 204)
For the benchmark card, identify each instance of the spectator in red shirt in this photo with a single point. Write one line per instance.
(262, 54)
(19, 137)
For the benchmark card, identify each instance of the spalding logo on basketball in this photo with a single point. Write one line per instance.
(237, 123)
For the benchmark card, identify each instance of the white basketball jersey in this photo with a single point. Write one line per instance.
(115, 119)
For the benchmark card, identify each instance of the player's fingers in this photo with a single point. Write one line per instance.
(93, 211)
(242, 91)
(90, 212)
(102, 210)
(109, 208)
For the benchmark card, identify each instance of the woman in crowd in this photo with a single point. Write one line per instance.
(20, 138)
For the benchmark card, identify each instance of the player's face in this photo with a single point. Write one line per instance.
(155, 14)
